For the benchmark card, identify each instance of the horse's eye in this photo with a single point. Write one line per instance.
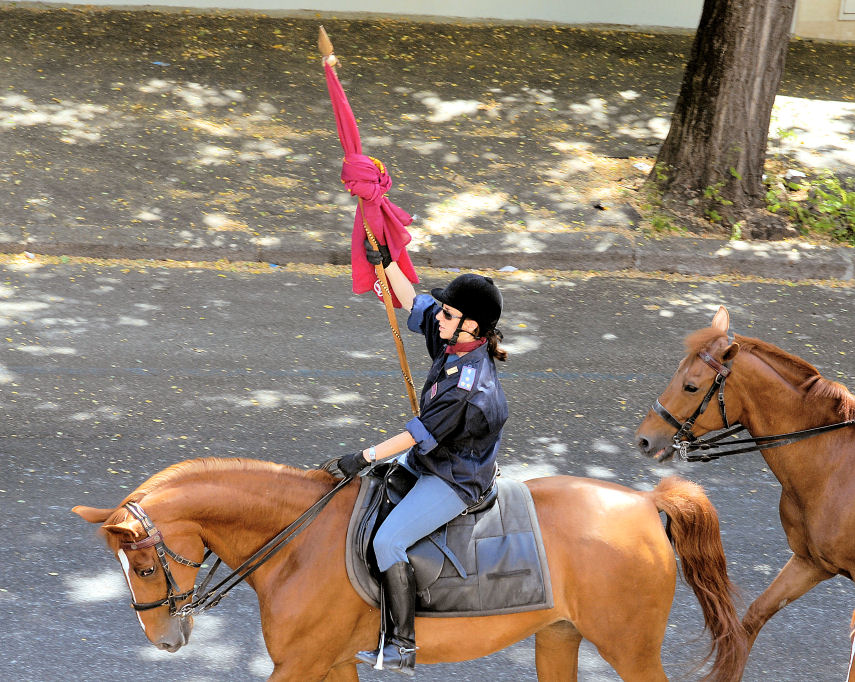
(690, 388)
(146, 572)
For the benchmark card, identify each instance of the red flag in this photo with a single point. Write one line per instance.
(366, 178)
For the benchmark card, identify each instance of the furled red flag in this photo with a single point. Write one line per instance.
(366, 178)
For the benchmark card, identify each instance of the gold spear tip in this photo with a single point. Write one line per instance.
(326, 47)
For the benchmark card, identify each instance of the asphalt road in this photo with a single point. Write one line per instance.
(110, 374)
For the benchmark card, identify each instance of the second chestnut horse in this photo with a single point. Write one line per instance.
(772, 392)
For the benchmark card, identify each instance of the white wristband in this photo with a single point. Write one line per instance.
(372, 454)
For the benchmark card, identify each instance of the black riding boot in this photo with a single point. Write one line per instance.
(397, 650)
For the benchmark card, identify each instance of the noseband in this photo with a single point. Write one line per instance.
(155, 539)
(204, 598)
(710, 445)
(684, 435)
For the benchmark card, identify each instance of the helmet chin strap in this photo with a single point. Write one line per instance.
(454, 337)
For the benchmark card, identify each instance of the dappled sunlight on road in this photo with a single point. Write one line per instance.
(20, 320)
(443, 111)
(817, 133)
(74, 121)
(696, 302)
(459, 212)
(193, 95)
(526, 471)
(86, 588)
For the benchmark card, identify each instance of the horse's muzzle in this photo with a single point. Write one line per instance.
(654, 448)
(177, 637)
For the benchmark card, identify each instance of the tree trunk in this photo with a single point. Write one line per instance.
(714, 154)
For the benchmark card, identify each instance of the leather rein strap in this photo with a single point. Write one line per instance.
(212, 597)
(685, 442)
(756, 442)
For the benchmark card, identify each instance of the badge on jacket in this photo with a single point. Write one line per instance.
(467, 378)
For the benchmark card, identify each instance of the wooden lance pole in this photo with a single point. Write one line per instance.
(326, 47)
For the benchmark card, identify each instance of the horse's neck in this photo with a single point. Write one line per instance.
(773, 404)
(239, 511)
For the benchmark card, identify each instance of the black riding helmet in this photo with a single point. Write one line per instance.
(476, 297)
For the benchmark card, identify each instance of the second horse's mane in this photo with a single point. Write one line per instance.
(798, 372)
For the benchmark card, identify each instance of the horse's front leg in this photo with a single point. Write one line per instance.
(851, 677)
(796, 577)
(557, 652)
(346, 672)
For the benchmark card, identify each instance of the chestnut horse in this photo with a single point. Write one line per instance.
(771, 392)
(611, 562)
(852, 649)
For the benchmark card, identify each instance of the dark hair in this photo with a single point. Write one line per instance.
(493, 337)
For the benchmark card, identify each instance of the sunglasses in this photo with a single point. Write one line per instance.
(447, 315)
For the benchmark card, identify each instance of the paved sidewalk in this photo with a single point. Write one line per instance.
(210, 136)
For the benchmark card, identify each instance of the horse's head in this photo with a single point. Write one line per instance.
(681, 408)
(160, 564)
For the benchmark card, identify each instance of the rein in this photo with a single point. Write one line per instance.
(684, 441)
(212, 596)
(756, 443)
(155, 539)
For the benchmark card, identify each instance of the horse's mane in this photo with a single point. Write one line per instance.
(194, 467)
(799, 372)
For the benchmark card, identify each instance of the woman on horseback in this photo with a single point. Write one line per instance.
(451, 446)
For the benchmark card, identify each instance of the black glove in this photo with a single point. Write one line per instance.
(377, 257)
(352, 464)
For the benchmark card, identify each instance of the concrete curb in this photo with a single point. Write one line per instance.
(779, 260)
(599, 250)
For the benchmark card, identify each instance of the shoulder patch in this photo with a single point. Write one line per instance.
(467, 378)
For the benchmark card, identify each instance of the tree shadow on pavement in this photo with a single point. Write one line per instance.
(215, 128)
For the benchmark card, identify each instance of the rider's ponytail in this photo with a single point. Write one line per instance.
(496, 352)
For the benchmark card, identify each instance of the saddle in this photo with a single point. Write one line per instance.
(489, 560)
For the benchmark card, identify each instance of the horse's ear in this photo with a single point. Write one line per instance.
(127, 528)
(730, 352)
(721, 320)
(92, 514)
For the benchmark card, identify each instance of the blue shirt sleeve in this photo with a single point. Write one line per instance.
(424, 438)
(416, 321)
(445, 417)
(422, 320)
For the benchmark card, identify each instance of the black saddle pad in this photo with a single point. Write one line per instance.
(479, 564)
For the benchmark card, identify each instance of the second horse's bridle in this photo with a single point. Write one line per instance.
(684, 441)
(684, 437)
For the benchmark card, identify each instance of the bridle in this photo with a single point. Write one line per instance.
(155, 539)
(684, 439)
(685, 442)
(203, 598)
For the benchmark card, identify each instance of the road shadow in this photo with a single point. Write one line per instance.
(217, 128)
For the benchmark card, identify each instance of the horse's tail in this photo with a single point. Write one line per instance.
(694, 530)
